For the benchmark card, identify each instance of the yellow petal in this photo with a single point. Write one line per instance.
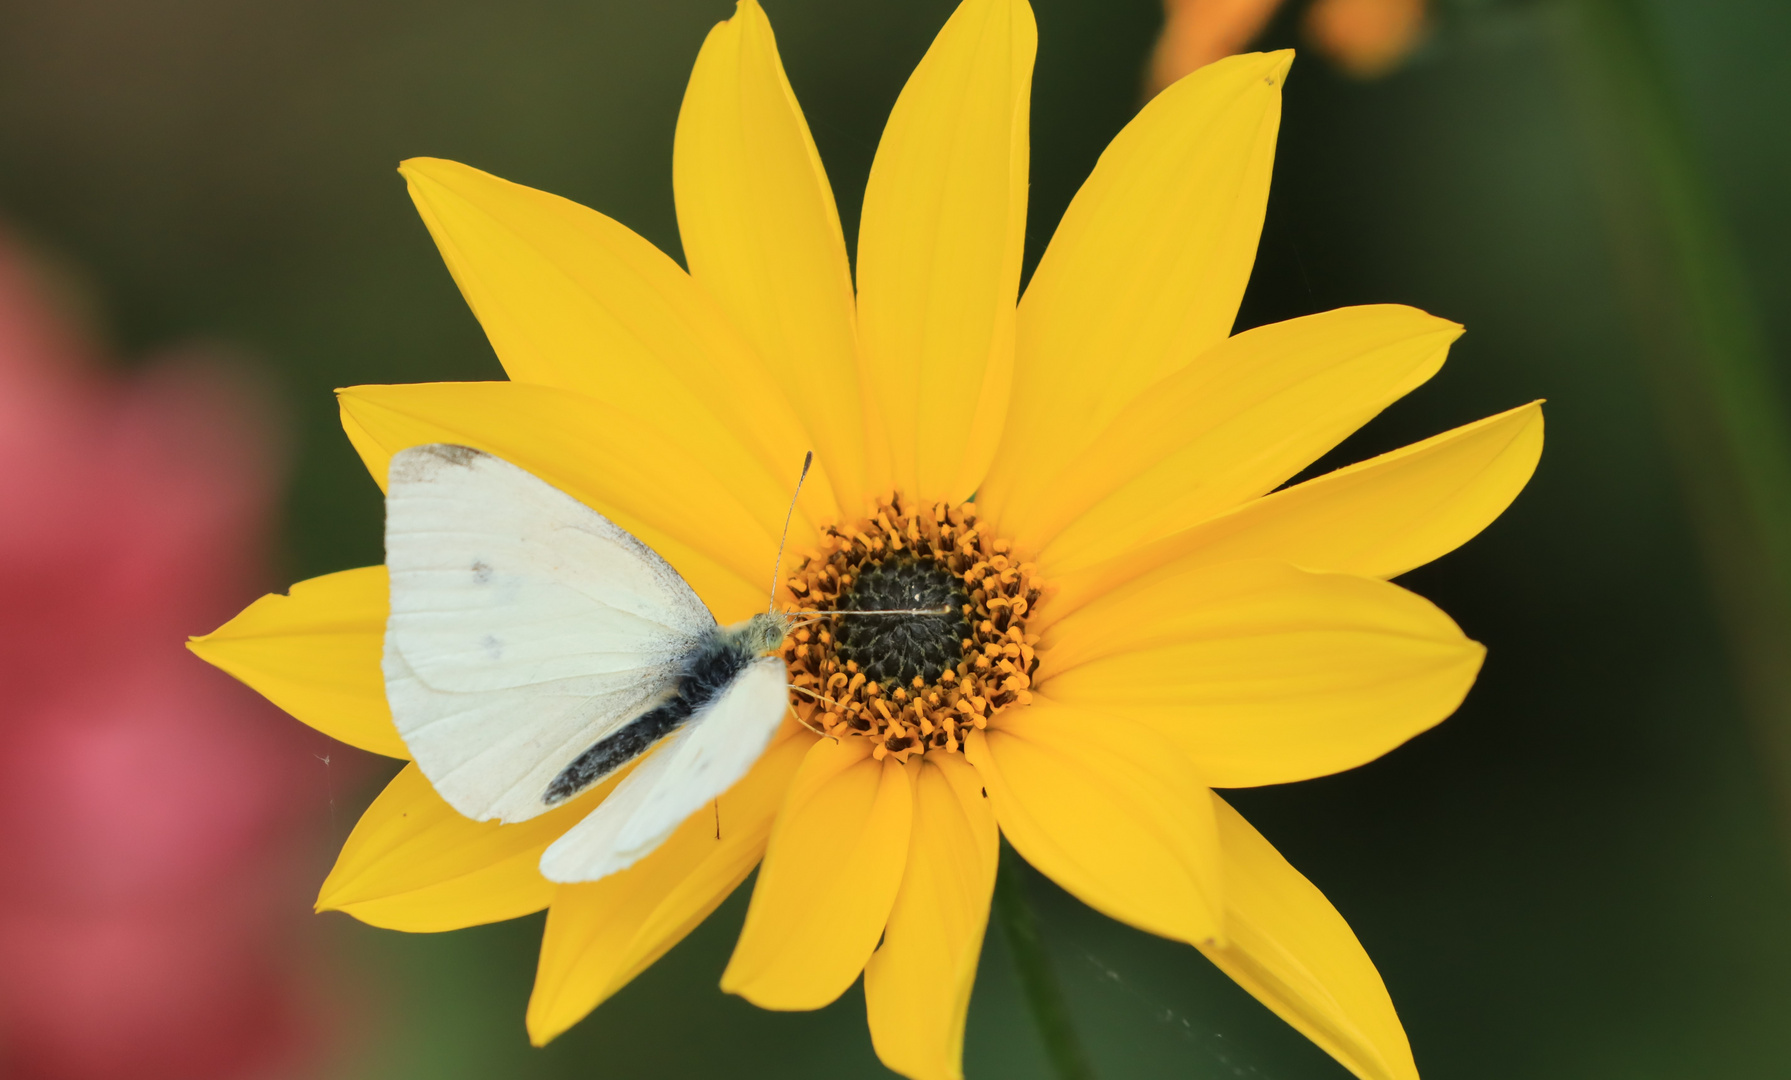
(939, 249)
(1292, 951)
(1226, 428)
(1378, 518)
(1147, 267)
(1110, 810)
(574, 300)
(1263, 673)
(601, 934)
(715, 519)
(917, 986)
(315, 653)
(761, 234)
(414, 863)
(829, 879)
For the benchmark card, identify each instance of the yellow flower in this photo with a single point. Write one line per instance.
(1152, 617)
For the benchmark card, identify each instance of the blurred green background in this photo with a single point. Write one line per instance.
(1581, 874)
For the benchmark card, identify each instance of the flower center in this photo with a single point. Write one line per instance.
(910, 682)
(894, 650)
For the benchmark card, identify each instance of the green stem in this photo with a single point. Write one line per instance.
(1037, 978)
(1702, 346)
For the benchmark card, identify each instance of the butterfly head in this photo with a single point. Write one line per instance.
(763, 634)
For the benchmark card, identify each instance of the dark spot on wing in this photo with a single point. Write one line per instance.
(481, 572)
(708, 671)
(492, 646)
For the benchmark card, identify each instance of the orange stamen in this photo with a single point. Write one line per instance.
(934, 712)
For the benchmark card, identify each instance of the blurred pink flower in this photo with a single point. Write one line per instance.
(144, 796)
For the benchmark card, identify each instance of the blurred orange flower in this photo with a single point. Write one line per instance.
(1197, 32)
(1366, 38)
(147, 798)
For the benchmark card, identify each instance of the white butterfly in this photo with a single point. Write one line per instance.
(534, 647)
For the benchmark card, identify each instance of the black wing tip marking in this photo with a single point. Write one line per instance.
(410, 463)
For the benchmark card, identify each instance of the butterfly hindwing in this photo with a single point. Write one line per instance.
(695, 765)
(524, 627)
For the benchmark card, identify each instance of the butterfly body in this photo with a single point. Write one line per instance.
(534, 648)
(713, 665)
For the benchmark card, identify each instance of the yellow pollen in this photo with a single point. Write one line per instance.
(935, 711)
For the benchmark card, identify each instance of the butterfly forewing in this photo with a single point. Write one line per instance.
(524, 627)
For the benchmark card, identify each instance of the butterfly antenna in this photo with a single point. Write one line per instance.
(777, 568)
